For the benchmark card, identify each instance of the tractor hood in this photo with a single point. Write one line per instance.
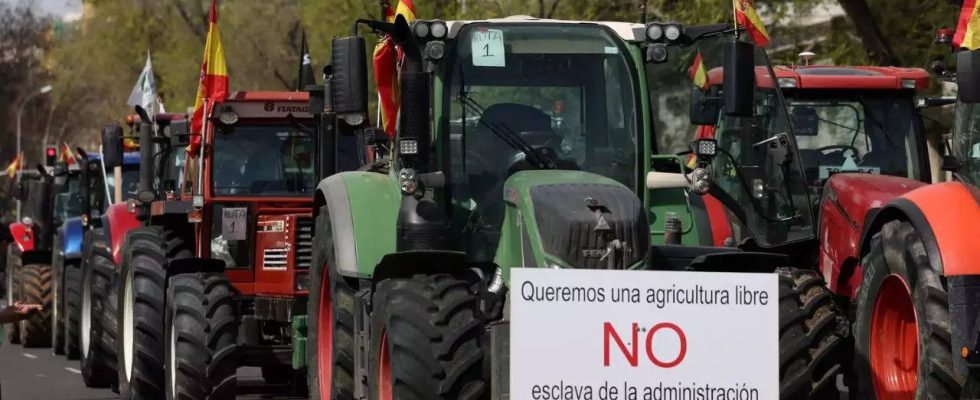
(575, 219)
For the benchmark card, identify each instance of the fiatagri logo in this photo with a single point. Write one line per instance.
(286, 108)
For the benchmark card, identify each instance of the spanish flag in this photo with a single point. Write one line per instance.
(15, 165)
(66, 154)
(213, 86)
(968, 29)
(386, 57)
(746, 16)
(698, 73)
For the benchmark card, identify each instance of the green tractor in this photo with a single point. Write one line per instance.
(527, 143)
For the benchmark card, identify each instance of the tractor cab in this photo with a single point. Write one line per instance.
(963, 159)
(857, 119)
(744, 156)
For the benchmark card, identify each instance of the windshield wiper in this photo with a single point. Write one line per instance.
(503, 132)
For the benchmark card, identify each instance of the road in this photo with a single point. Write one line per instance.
(37, 374)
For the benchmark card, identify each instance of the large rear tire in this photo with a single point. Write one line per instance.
(58, 264)
(426, 340)
(36, 330)
(98, 362)
(13, 291)
(902, 323)
(73, 302)
(330, 322)
(202, 329)
(812, 337)
(141, 310)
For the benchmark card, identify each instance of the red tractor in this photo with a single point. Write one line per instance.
(216, 275)
(857, 119)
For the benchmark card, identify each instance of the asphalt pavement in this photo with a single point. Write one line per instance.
(37, 374)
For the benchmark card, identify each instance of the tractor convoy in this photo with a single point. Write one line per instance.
(293, 236)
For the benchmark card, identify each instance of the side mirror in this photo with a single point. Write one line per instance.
(968, 75)
(180, 133)
(739, 84)
(348, 83)
(704, 109)
(112, 146)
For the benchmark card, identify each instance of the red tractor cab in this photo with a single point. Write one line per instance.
(857, 119)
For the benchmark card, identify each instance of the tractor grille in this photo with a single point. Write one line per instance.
(304, 242)
(275, 258)
(567, 226)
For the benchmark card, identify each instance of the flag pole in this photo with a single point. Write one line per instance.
(735, 17)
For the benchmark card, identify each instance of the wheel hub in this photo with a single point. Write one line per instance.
(894, 338)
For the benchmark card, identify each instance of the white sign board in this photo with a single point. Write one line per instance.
(826, 172)
(233, 223)
(634, 335)
(487, 46)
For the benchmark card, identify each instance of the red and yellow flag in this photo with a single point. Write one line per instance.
(213, 85)
(15, 165)
(968, 29)
(67, 156)
(698, 73)
(746, 17)
(386, 58)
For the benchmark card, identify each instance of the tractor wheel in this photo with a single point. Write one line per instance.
(202, 329)
(58, 266)
(330, 323)
(812, 337)
(73, 299)
(902, 323)
(14, 271)
(426, 340)
(110, 328)
(36, 330)
(140, 310)
(98, 363)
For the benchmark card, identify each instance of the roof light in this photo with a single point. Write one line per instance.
(421, 29)
(908, 84)
(655, 32)
(787, 82)
(672, 32)
(439, 29)
(228, 117)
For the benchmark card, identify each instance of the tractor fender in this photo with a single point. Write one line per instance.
(72, 234)
(23, 236)
(849, 201)
(363, 210)
(117, 221)
(946, 215)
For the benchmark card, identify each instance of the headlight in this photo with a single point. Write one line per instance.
(406, 180)
(27, 221)
(302, 281)
(908, 84)
(787, 82)
(421, 30)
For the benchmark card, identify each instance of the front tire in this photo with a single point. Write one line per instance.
(59, 264)
(13, 291)
(98, 362)
(902, 323)
(140, 311)
(426, 340)
(72, 289)
(36, 330)
(812, 337)
(330, 327)
(202, 329)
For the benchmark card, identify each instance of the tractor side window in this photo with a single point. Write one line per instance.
(966, 142)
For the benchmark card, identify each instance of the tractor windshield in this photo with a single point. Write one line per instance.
(757, 175)
(68, 203)
(847, 131)
(262, 161)
(515, 92)
(130, 181)
(966, 142)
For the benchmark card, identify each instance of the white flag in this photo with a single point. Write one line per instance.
(144, 94)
